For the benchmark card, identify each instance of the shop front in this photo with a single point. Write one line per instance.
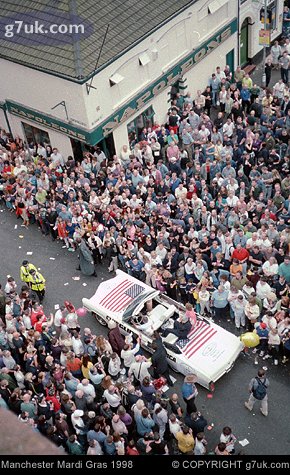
(136, 127)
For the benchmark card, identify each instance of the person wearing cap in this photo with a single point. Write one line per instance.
(262, 331)
(25, 271)
(37, 284)
(79, 426)
(189, 392)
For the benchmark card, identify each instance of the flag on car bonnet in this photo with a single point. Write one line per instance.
(121, 296)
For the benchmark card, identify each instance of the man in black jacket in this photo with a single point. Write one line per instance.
(159, 361)
(51, 217)
(181, 328)
(196, 422)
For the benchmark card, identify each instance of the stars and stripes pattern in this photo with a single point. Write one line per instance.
(121, 296)
(199, 335)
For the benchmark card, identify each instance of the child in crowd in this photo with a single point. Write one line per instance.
(204, 297)
(227, 437)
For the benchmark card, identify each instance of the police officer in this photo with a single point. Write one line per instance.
(37, 283)
(25, 271)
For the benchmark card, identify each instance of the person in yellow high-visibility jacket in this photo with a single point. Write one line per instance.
(25, 271)
(37, 283)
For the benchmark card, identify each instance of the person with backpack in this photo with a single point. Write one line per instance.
(258, 392)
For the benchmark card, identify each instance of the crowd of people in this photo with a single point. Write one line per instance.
(198, 208)
(89, 394)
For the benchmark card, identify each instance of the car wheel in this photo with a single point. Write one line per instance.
(99, 319)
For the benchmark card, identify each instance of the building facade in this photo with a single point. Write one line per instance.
(251, 21)
(130, 92)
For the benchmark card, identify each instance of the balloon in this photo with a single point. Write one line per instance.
(250, 339)
(81, 312)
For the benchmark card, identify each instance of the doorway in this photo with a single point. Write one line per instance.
(230, 61)
(244, 42)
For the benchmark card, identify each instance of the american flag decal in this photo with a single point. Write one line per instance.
(199, 335)
(121, 296)
(134, 291)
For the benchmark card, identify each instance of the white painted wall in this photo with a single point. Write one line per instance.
(40, 91)
(172, 42)
(199, 75)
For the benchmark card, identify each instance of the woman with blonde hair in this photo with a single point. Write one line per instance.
(103, 345)
(65, 339)
(106, 382)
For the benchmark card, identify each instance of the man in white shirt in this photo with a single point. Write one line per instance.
(77, 344)
(58, 321)
(180, 192)
(112, 396)
(262, 288)
(219, 73)
(140, 368)
(228, 128)
(19, 168)
(41, 151)
(128, 353)
(278, 89)
(161, 251)
(57, 157)
(253, 241)
(87, 388)
(232, 200)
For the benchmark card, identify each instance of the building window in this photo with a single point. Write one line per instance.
(271, 19)
(35, 135)
(136, 126)
(273, 9)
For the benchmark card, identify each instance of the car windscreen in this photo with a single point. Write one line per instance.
(133, 305)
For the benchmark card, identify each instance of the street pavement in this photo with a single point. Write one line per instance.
(258, 74)
(269, 435)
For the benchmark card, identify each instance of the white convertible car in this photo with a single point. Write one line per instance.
(209, 352)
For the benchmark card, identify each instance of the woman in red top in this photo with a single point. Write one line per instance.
(131, 449)
(51, 396)
(73, 365)
(62, 231)
(242, 255)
